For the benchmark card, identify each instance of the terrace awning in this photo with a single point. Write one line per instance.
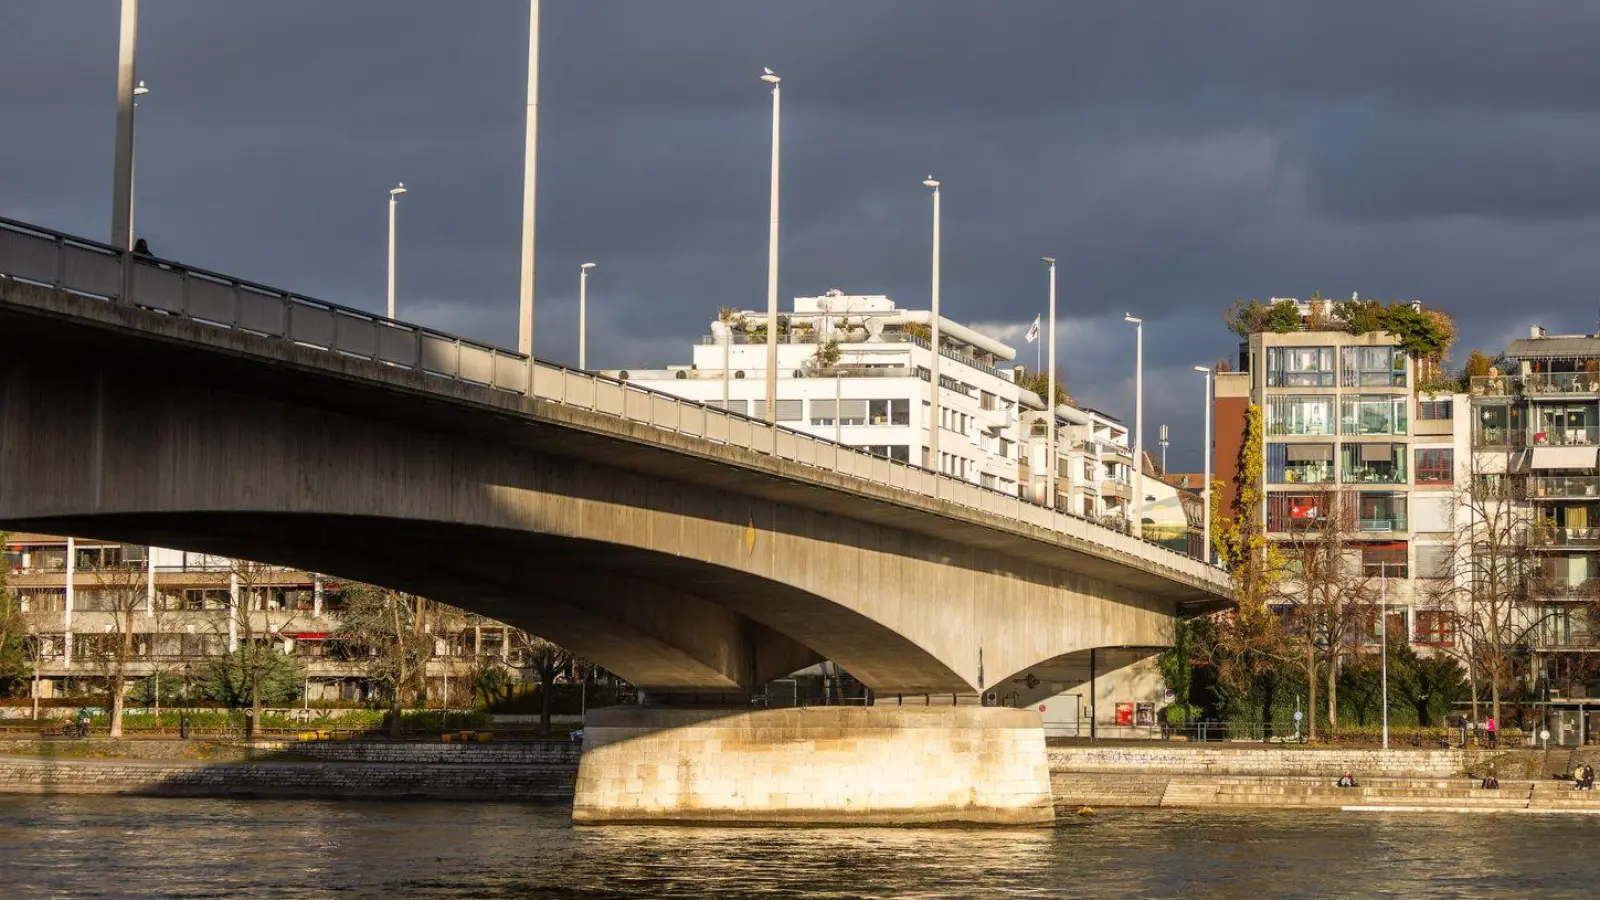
(1564, 457)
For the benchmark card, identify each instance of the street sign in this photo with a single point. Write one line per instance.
(1298, 715)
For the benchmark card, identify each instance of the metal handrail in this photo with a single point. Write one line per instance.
(89, 268)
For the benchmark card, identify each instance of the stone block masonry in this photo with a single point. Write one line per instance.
(828, 765)
(321, 780)
(1272, 761)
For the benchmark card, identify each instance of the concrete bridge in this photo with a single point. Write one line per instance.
(689, 550)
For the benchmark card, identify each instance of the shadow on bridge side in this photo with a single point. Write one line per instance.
(615, 540)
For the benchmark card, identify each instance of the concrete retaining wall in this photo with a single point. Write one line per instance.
(1322, 763)
(531, 753)
(352, 781)
(877, 765)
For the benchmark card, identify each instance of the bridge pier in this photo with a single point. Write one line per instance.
(874, 765)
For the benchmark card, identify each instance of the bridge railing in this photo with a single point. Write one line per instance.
(92, 269)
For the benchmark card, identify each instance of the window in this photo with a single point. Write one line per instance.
(1300, 367)
(888, 412)
(986, 480)
(1498, 425)
(206, 598)
(1372, 415)
(1005, 448)
(823, 412)
(1435, 410)
(1299, 415)
(1436, 466)
(1372, 367)
(899, 452)
(791, 411)
(1299, 463)
(1436, 627)
(1373, 464)
(986, 400)
(1293, 512)
(1384, 561)
(1434, 560)
(1381, 512)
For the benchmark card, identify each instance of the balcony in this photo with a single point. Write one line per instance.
(1495, 385)
(1563, 436)
(1383, 524)
(1499, 436)
(1563, 537)
(1561, 384)
(1113, 488)
(1552, 487)
(1577, 637)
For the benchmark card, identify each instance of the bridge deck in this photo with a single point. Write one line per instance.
(263, 338)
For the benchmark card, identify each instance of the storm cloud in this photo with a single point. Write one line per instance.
(1173, 156)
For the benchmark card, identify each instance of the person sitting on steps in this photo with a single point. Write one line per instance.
(1347, 781)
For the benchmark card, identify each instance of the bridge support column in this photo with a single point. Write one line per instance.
(874, 765)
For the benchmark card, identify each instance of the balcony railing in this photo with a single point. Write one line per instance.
(1560, 383)
(1552, 486)
(1495, 385)
(1359, 474)
(1499, 436)
(1382, 524)
(1563, 436)
(1564, 537)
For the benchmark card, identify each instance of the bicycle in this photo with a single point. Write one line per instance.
(75, 730)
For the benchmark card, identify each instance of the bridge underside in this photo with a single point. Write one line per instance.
(680, 568)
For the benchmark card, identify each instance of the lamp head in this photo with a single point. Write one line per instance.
(398, 189)
(1133, 319)
(140, 90)
(1048, 260)
(1205, 369)
(929, 182)
(769, 76)
(586, 266)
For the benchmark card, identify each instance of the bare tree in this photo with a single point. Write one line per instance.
(1327, 594)
(391, 631)
(1492, 570)
(544, 659)
(14, 637)
(255, 623)
(120, 596)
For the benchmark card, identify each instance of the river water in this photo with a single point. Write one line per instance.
(127, 847)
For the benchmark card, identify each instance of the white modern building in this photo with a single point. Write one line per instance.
(856, 369)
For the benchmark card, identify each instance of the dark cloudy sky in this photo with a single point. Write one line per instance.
(1173, 155)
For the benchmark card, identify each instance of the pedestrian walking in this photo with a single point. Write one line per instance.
(1494, 735)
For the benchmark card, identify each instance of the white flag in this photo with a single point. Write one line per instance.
(1033, 331)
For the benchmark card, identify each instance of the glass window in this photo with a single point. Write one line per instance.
(823, 412)
(888, 412)
(1385, 561)
(1436, 627)
(1291, 512)
(1435, 410)
(1498, 425)
(1434, 560)
(1300, 367)
(1436, 466)
(1373, 464)
(1299, 463)
(1372, 415)
(1372, 367)
(1381, 512)
(1300, 415)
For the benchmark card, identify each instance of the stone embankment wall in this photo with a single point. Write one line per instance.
(515, 772)
(1166, 759)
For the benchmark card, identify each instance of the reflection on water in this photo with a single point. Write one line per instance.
(122, 847)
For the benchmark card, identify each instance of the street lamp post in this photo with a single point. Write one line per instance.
(1383, 614)
(1050, 453)
(583, 315)
(394, 201)
(933, 405)
(1206, 492)
(770, 77)
(530, 189)
(1138, 424)
(122, 175)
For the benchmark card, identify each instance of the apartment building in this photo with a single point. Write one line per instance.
(1535, 438)
(1094, 463)
(857, 369)
(1337, 416)
(189, 608)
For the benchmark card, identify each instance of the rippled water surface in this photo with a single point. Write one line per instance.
(121, 847)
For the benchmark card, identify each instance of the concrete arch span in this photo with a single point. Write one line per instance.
(749, 571)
